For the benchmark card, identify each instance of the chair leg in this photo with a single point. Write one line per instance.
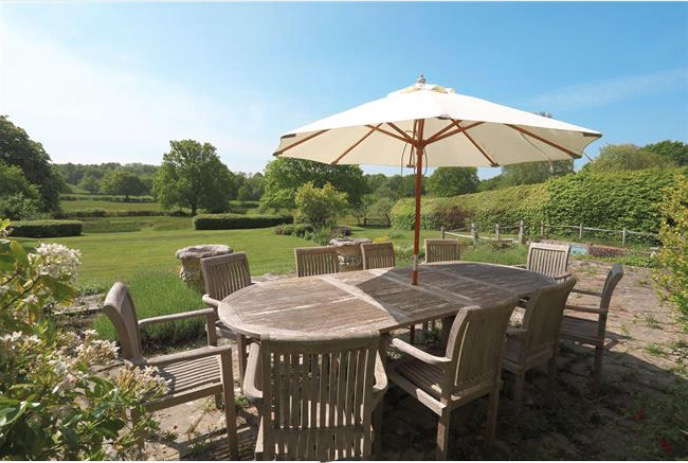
(412, 334)
(492, 408)
(519, 385)
(230, 412)
(551, 374)
(377, 428)
(441, 449)
(597, 368)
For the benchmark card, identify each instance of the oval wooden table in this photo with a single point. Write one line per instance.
(381, 299)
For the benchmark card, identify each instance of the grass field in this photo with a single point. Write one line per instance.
(86, 204)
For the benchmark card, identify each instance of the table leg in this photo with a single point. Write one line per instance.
(446, 329)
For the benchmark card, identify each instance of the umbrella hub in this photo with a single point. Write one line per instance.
(421, 84)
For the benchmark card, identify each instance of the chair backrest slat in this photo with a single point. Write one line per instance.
(476, 345)
(549, 259)
(613, 278)
(316, 261)
(378, 255)
(441, 250)
(317, 396)
(225, 274)
(119, 308)
(542, 320)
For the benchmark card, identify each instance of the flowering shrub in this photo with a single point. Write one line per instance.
(54, 404)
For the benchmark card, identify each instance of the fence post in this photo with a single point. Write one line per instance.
(442, 230)
(496, 232)
(474, 234)
(542, 229)
(580, 232)
(520, 232)
(623, 237)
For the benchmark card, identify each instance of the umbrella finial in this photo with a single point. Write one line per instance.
(421, 79)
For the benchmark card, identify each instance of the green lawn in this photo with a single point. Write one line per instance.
(113, 206)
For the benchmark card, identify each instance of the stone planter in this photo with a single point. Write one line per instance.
(349, 253)
(190, 258)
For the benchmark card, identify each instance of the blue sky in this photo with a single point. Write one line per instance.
(100, 82)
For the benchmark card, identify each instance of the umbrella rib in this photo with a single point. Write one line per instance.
(403, 134)
(544, 140)
(348, 150)
(440, 132)
(309, 137)
(390, 134)
(492, 163)
(454, 132)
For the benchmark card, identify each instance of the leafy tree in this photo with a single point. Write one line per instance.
(490, 184)
(672, 274)
(252, 187)
(528, 173)
(120, 182)
(17, 149)
(90, 184)
(676, 151)
(193, 176)
(382, 208)
(317, 206)
(453, 181)
(627, 157)
(19, 199)
(283, 177)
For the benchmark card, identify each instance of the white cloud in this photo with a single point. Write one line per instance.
(89, 113)
(603, 92)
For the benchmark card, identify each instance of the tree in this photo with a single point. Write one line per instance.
(672, 274)
(193, 176)
(675, 151)
(120, 182)
(284, 176)
(252, 187)
(627, 157)
(19, 199)
(453, 181)
(17, 149)
(317, 206)
(490, 184)
(90, 184)
(528, 173)
(382, 208)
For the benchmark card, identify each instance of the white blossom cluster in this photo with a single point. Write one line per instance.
(57, 261)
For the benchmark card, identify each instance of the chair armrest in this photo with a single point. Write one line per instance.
(210, 301)
(188, 355)
(419, 354)
(579, 308)
(177, 316)
(250, 390)
(585, 291)
(381, 382)
(516, 332)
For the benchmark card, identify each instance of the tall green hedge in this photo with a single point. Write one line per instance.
(606, 200)
(46, 228)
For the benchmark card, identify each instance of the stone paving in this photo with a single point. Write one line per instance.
(644, 370)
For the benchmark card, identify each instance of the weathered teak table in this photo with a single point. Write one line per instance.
(382, 299)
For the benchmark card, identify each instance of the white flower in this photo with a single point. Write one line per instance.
(57, 261)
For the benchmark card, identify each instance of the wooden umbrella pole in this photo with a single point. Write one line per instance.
(419, 179)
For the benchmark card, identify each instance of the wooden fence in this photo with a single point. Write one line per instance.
(498, 229)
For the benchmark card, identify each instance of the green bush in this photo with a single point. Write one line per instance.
(155, 294)
(300, 229)
(46, 228)
(236, 221)
(607, 200)
(111, 198)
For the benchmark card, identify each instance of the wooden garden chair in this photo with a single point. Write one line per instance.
(441, 250)
(551, 260)
(469, 369)
(316, 261)
(586, 331)
(537, 341)
(224, 275)
(316, 395)
(378, 255)
(190, 374)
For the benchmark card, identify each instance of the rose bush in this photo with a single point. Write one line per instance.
(55, 402)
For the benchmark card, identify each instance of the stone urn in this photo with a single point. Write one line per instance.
(190, 258)
(349, 253)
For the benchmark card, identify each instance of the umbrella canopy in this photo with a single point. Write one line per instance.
(434, 126)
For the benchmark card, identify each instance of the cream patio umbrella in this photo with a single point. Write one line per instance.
(430, 125)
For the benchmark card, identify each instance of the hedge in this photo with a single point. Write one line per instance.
(236, 221)
(46, 228)
(111, 198)
(606, 200)
(90, 213)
